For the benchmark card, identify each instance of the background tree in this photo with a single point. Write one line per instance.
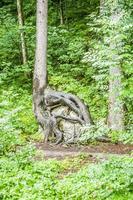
(21, 29)
(108, 57)
(61, 12)
(116, 111)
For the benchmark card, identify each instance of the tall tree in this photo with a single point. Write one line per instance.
(51, 107)
(22, 35)
(61, 12)
(116, 111)
(40, 70)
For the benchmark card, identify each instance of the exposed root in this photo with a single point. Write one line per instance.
(76, 112)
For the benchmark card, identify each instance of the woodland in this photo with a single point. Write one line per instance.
(66, 100)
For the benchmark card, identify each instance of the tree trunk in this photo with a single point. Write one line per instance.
(40, 70)
(56, 112)
(116, 111)
(61, 13)
(22, 37)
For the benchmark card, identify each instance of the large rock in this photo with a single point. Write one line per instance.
(71, 131)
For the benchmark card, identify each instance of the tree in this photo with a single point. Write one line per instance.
(40, 70)
(21, 26)
(115, 108)
(116, 111)
(61, 13)
(53, 110)
(109, 55)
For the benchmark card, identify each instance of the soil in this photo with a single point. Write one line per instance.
(100, 149)
(89, 154)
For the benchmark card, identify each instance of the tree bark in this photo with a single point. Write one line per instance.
(40, 69)
(61, 13)
(22, 35)
(116, 110)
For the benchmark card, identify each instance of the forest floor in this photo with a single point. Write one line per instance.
(101, 150)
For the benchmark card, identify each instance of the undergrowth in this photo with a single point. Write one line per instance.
(23, 177)
(17, 122)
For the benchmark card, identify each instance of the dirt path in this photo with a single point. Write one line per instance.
(101, 149)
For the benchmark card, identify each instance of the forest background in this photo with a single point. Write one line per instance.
(78, 62)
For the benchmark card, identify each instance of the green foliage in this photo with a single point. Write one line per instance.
(23, 178)
(66, 47)
(17, 119)
(85, 92)
(109, 180)
(94, 132)
(9, 39)
(101, 131)
(125, 137)
(105, 33)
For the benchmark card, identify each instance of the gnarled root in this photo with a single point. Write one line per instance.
(74, 111)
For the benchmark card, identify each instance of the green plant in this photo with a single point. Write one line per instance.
(109, 180)
(94, 132)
